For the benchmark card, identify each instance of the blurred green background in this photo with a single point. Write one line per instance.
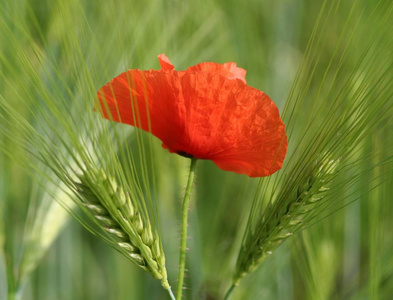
(347, 255)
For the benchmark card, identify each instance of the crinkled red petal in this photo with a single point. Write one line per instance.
(165, 63)
(228, 70)
(207, 111)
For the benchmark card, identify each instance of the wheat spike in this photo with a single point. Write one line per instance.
(279, 224)
(130, 230)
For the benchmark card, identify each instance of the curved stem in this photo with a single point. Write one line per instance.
(229, 292)
(171, 294)
(183, 242)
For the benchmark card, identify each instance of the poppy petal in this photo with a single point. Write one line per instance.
(236, 126)
(147, 100)
(206, 112)
(165, 63)
(228, 70)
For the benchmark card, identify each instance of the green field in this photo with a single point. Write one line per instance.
(319, 228)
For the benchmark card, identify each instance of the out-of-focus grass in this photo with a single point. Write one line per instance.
(345, 256)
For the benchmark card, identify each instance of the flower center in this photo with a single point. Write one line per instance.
(185, 154)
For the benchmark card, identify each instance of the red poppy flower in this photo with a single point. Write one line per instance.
(205, 112)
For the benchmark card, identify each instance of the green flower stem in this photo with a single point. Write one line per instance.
(228, 295)
(171, 294)
(183, 242)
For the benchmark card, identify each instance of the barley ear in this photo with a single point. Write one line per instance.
(280, 222)
(129, 230)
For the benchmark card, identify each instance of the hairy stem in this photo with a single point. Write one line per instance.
(183, 242)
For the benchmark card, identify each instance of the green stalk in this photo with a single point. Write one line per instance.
(228, 295)
(171, 294)
(183, 242)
